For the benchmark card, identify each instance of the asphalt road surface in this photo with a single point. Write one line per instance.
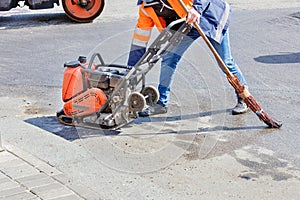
(200, 149)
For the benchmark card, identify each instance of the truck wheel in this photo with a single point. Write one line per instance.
(83, 10)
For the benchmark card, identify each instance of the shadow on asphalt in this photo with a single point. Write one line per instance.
(287, 58)
(181, 117)
(71, 133)
(17, 21)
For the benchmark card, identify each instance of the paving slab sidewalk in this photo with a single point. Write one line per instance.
(23, 176)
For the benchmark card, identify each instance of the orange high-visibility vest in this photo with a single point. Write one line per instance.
(148, 19)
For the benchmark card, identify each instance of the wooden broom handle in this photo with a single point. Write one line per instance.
(211, 47)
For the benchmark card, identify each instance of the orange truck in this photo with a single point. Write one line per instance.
(77, 10)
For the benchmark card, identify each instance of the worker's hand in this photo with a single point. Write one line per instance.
(193, 16)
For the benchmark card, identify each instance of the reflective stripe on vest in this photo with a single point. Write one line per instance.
(148, 19)
(141, 37)
(146, 22)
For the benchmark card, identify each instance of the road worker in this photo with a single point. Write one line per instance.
(213, 16)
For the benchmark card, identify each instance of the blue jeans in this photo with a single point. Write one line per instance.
(171, 59)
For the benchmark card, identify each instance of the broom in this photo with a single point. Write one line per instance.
(241, 89)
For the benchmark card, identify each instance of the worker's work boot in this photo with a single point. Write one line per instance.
(153, 110)
(240, 108)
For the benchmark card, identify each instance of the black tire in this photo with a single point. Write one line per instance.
(83, 14)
